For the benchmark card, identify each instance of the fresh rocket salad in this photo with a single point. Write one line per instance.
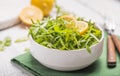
(65, 33)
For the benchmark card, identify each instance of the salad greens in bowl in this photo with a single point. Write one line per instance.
(66, 43)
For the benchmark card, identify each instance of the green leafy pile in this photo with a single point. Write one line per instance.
(53, 33)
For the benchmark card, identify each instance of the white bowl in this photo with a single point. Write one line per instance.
(66, 60)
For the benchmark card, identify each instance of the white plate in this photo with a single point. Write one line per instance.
(9, 11)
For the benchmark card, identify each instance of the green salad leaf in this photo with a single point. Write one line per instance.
(5, 43)
(53, 33)
(23, 39)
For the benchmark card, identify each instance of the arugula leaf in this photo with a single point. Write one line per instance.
(53, 33)
(60, 11)
(5, 43)
(1, 47)
(27, 49)
(23, 39)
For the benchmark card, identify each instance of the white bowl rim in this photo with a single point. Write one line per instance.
(83, 49)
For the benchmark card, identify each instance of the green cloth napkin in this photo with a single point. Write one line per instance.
(98, 68)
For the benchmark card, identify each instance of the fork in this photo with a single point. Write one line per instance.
(113, 41)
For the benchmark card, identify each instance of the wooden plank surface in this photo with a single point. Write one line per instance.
(80, 9)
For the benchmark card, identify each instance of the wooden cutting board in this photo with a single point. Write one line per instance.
(9, 11)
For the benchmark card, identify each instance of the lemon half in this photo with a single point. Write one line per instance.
(45, 5)
(30, 13)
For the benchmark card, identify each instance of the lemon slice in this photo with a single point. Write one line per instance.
(82, 26)
(45, 5)
(71, 19)
(68, 17)
(30, 13)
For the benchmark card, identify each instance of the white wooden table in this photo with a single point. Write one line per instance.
(83, 8)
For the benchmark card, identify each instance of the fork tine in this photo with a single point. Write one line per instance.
(109, 24)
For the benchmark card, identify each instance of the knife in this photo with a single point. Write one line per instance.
(111, 55)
